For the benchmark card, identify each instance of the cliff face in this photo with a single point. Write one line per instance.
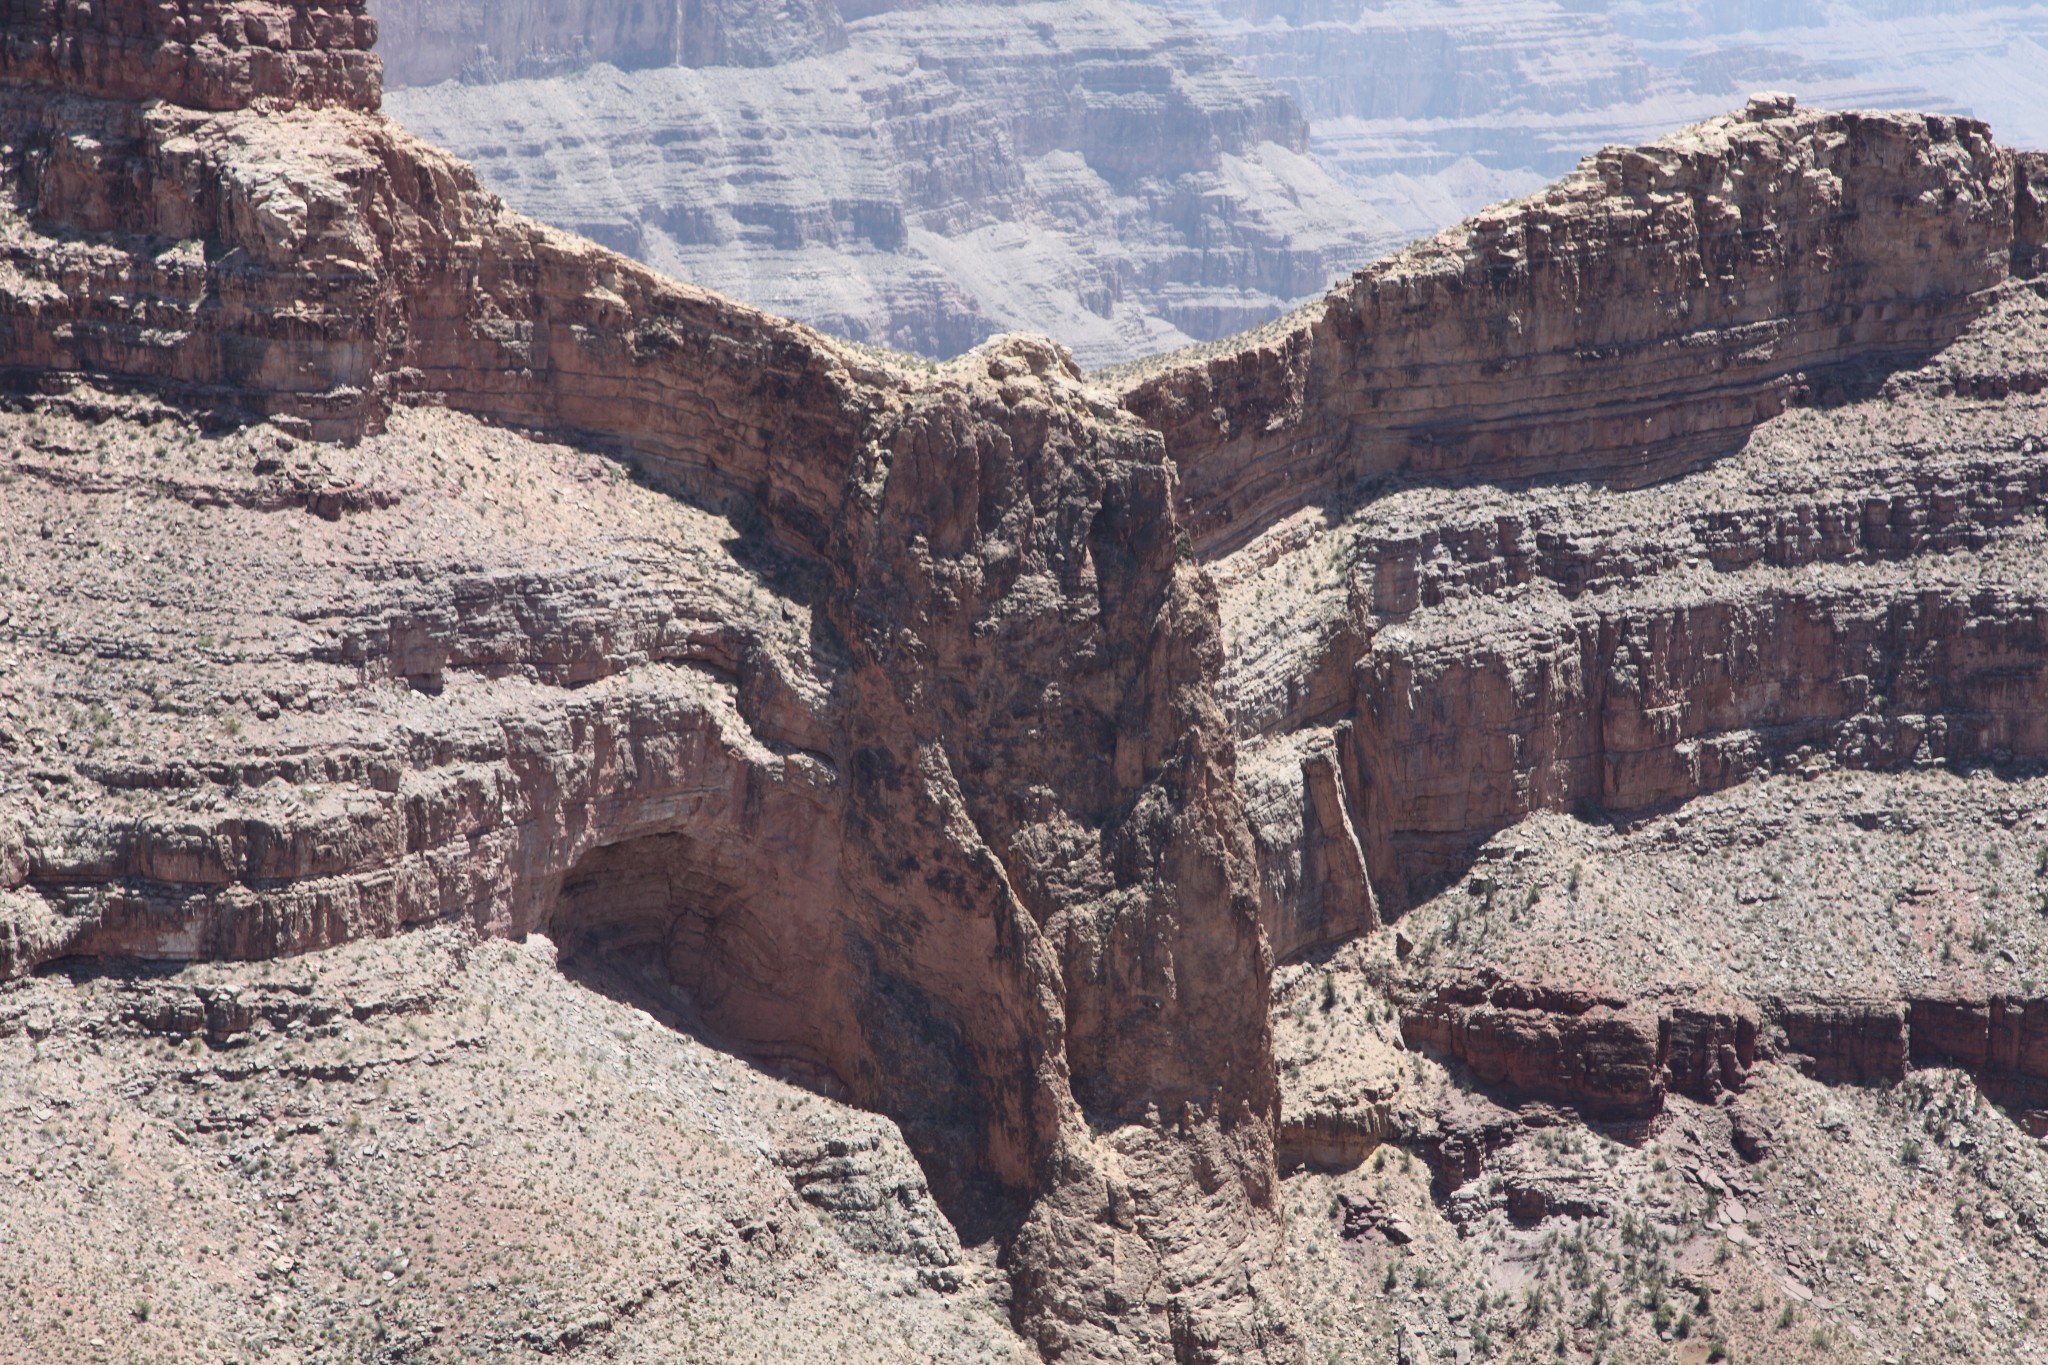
(1419, 62)
(195, 53)
(1447, 639)
(810, 822)
(970, 746)
(1636, 319)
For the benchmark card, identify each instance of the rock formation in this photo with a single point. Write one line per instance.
(1008, 961)
(1518, 345)
(971, 743)
(195, 53)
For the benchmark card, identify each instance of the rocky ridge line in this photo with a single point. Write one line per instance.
(1774, 250)
(1010, 963)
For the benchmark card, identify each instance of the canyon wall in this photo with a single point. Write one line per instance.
(1431, 112)
(836, 864)
(427, 43)
(971, 751)
(1519, 345)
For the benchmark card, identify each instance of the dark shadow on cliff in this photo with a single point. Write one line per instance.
(622, 964)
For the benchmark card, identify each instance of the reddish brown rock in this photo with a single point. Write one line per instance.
(1612, 1056)
(919, 776)
(1633, 320)
(1617, 706)
(1848, 1042)
(2001, 1041)
(840, 862)
(199, 53)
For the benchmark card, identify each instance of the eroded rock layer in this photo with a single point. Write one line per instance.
(969, 746)
(199, 53)
(811, 820)
(1633, 320)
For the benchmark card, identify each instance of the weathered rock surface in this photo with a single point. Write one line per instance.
(969, 747)
(1518, 346)
(436, 1147)
(427, 43)
(784, 770)
(197, 53)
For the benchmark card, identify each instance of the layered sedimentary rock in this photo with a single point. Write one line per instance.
(814, 830)
(1854, 587)
(1102, 173)
(1401, 61)
(1633, 320)
(196, 53)
(969, 745)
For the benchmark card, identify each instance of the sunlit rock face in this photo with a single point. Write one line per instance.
(1584, 677)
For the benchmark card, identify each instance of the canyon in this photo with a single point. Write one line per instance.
(1431, 112)
(544, 810)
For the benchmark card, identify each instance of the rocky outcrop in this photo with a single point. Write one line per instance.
(2002, 1041)
(942, 738)
(1614, 1056)
(814, 835)
(351, 265)
(1516, 347)
(2030, 215)
(1632, 710)
(196, 53)
(1847, 1042)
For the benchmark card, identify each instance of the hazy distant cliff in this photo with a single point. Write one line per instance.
(921, 178)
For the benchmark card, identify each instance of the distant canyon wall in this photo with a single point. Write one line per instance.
(427, 42)
(921, 178)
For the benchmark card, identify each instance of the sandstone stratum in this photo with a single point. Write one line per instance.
(547, 813)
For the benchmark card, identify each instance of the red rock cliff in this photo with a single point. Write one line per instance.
(1631, 321)
(977, 852)
(201, 53)
(844, 868)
